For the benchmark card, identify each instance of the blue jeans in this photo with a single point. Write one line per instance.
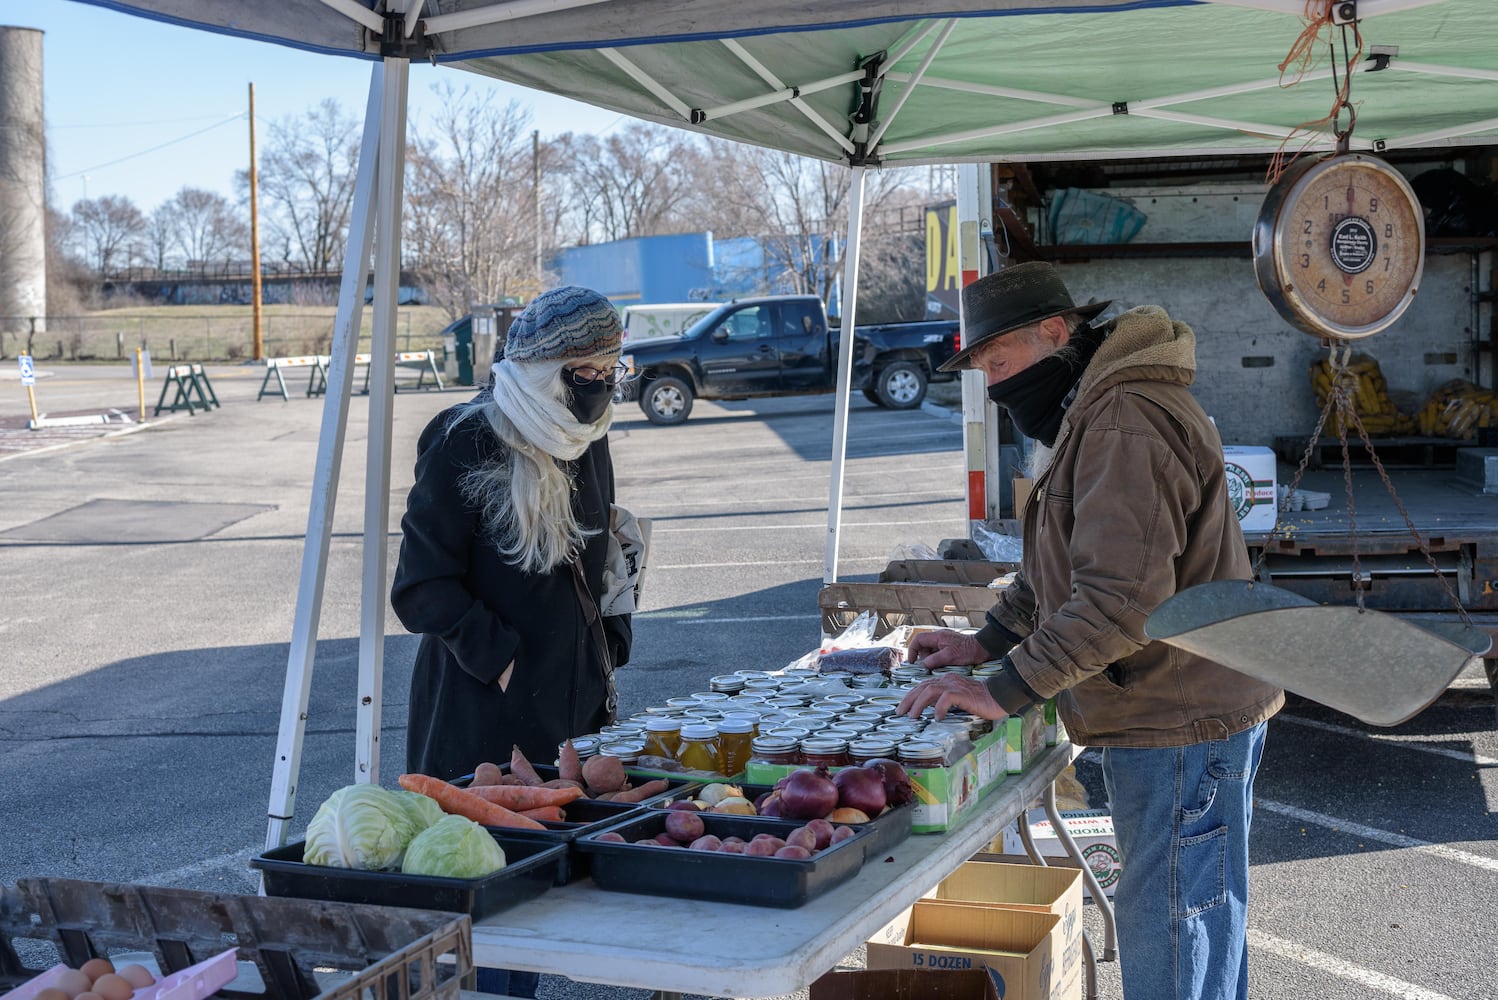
(1181, 816)
(507, 982)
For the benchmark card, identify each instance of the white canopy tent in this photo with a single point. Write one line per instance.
(864, 82)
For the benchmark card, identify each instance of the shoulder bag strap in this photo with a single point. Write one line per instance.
(594, 621)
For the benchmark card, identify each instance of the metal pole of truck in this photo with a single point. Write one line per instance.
(979, 446)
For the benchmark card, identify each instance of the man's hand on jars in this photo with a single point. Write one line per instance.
(945, 648)
(950, 691)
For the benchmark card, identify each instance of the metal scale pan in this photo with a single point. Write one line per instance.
(1373, 666)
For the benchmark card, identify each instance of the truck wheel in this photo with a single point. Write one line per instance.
(666, 400)
(871, 395)
(900, 385)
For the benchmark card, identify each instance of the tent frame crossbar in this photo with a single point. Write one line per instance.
(894, 112)
(497, 13)
(744, 56)
(650, 83)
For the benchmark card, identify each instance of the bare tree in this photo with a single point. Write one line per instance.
(306, 181)
(470, 210)
(204, 226)
(158, 240)
(626, 184)
(107, 230)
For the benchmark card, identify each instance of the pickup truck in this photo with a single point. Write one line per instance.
(782, 345)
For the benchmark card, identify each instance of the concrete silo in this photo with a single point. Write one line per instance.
(23, 183)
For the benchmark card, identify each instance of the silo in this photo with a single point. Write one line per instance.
(23, 183)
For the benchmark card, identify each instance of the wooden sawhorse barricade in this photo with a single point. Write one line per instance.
(424, 362)
(318, 363)
(190, 381)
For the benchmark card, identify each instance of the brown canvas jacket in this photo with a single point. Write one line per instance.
(1131, 509)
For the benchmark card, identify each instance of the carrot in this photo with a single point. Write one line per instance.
(461, 802)
(522, 797)
(522, 767)
(548, 814)
(643, 792)
(569, 765)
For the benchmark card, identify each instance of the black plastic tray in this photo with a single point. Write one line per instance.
(532, 867)
(584, 816)
(727, 878)
(674, 786)
(886, 830)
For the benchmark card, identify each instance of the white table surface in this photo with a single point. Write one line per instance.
(731, 950)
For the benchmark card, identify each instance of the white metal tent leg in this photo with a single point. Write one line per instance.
(325, 480)
(373, 597)
(844, 376)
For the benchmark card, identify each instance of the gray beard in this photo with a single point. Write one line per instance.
(1040, 459)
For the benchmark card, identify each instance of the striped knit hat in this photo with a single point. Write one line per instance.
(567, 322)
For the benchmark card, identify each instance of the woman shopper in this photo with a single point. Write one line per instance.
(503, 551)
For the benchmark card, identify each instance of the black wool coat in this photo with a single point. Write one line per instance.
(476, 613)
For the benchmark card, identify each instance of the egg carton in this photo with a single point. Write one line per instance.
(1288, 500)
(194, 983)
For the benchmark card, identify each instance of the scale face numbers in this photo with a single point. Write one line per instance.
(1339, 246)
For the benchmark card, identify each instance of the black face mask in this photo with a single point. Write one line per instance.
(1036, 397)
(588, 402)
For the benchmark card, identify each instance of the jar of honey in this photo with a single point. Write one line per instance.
(828, 750)
(735, 743)
(699, 748)
(921, 753)
(775, 750)
(662, 736)
(871, 747)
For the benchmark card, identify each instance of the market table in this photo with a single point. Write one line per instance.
(731, 950)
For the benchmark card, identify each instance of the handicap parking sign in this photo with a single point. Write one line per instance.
(28, 370)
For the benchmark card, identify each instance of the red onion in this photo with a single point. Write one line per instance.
(861, 788)
(808, 794)
(897, 788)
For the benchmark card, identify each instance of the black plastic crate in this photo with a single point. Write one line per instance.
(532, 867)
(716, 876)
(674, 786)
(584, 816)
(886, 830)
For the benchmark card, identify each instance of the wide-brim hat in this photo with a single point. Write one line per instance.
(1018, 296)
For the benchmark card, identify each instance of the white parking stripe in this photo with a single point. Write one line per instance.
(1408, 742)
(1337, 967)
(1382, 836)
(683, 620)
(788, 527)
(237, 861)
(770, 562)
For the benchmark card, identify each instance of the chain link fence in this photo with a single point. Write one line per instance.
(200, 335)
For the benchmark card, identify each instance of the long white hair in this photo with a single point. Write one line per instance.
(524, 496)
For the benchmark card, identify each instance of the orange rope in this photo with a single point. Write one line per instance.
(1303, 56)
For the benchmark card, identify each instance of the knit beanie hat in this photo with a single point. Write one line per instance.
(567, 322)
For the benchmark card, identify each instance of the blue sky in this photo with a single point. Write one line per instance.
(142, 109)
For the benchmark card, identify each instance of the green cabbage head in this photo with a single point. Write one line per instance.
(423, 808)
(361, 826)
(454, 847)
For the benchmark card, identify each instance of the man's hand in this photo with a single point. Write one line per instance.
(945, 648)
(952, 691)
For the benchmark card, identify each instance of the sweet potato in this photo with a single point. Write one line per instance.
(643, 792)
(569, 765)
(521, 768)
(488, 774)
(563, 783)
(604, 774)
(545, 814)
(519, 798)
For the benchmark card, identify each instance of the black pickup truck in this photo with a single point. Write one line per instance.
(782, 345)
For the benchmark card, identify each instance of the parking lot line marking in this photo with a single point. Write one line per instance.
(683, 620)
(820, 525)
(769, 562)
(237, 861)
(1337, 967)
(1382, 836)
(1408, 742)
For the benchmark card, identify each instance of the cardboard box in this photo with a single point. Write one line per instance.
(1015, 883)
(1251, 480)
(905, 984)
(1023, 485)
(1092, 829)
(1014, 945)
(942, 793)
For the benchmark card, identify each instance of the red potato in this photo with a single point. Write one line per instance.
(803, 837)
(728, 848)
(791, 852)
(684, 826)
(611, 838)
(707, 842)
(757, 848)
(842, 833)
(666, 840)
(823, 831)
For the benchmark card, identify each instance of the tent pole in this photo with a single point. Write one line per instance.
(844, 375)
(374, 586)
(299, 660)
(979, 445)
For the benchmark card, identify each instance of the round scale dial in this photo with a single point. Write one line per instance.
(1339, 245)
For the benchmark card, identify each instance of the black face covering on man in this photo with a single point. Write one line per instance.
(1036, 398)
(587, 402)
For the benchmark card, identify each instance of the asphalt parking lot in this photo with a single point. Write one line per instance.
(152, 580)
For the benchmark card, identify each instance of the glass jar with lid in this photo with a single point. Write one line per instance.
(921, 753)
(726, 684)
(586, 746)
(871, 747)
(797, 733)
(662, 736)
(699, 750)
(710, 698)
(681, 705)
(768, 749)
(825, 750)
(628, 752)
(735, 743)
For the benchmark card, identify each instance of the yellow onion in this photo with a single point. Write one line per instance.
(718, 791)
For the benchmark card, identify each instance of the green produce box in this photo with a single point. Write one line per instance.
(1052, 724)
(1024, 737)
(942, 793)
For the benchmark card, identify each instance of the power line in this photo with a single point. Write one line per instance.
(153, 149)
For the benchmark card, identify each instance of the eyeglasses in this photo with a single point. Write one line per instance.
(587, 376)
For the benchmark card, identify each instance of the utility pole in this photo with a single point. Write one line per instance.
(536, 195)
(257, 343)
